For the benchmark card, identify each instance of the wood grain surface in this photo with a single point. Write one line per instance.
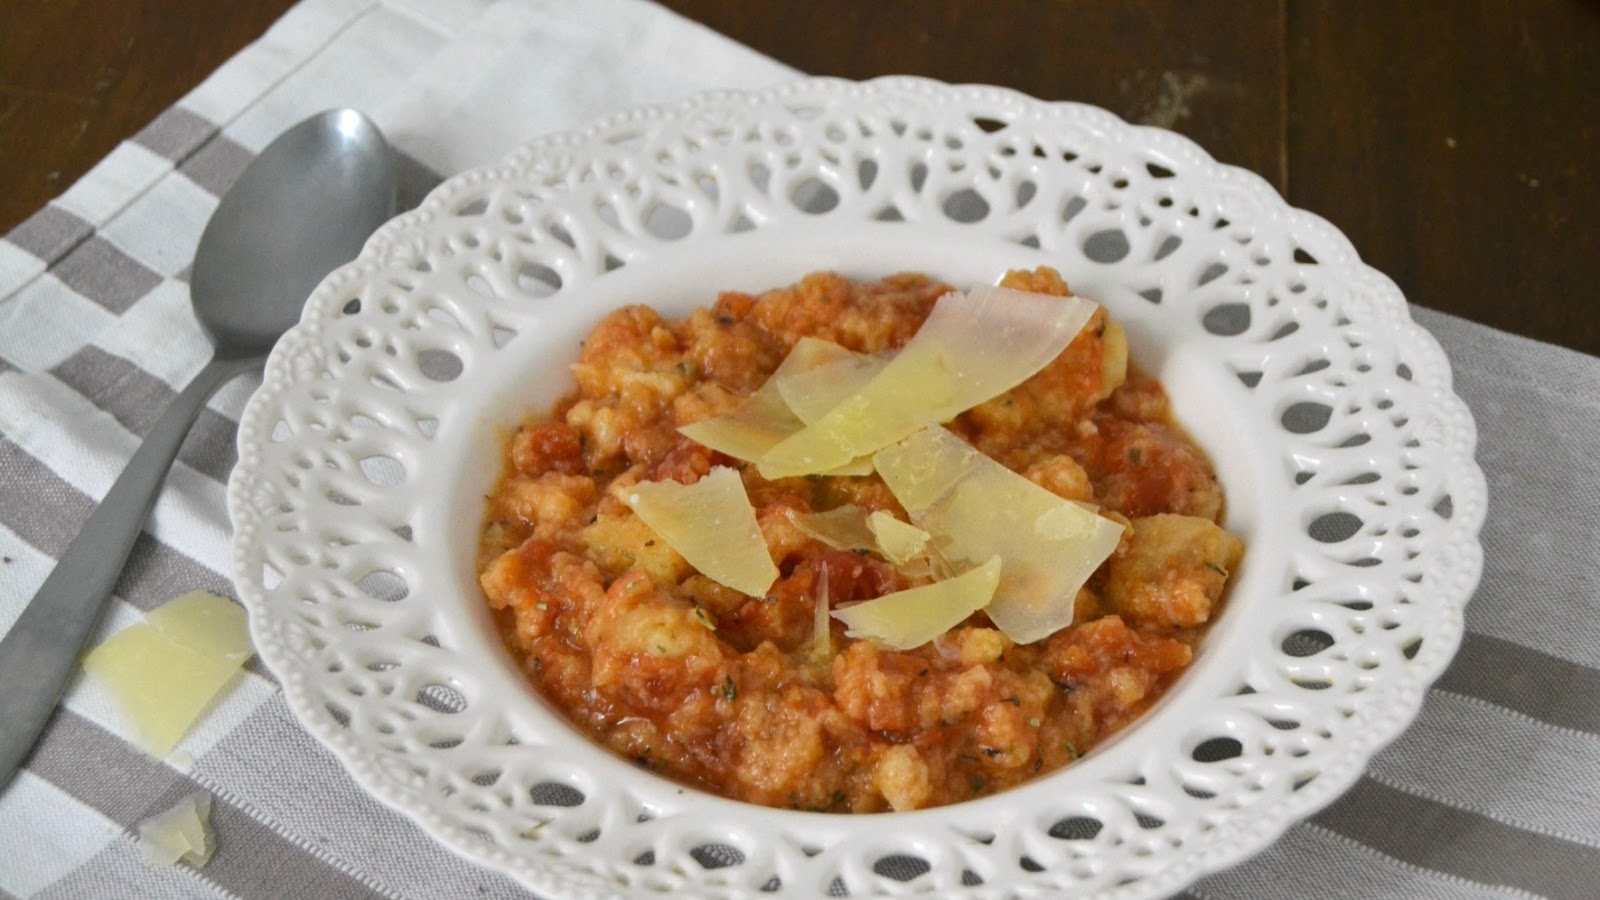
(1454, 142)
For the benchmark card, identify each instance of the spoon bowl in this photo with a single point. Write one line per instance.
(303, 207)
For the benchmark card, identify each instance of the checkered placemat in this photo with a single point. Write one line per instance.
(1495, 792)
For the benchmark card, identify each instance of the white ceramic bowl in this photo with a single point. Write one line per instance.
(1346, 458)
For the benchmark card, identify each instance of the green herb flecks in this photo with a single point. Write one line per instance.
(704, 618)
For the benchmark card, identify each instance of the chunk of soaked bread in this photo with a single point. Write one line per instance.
(1172, 571)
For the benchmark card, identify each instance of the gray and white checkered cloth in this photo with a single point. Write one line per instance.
(1494, 792)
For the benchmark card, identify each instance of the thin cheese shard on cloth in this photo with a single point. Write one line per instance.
(972, 347)
(180, 833)
(712, 525)
(166, 671)
(206, 623)
(974, 508)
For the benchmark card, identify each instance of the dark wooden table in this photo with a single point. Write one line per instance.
(1455, 142)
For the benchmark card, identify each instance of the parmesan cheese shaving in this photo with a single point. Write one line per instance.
(712, 525)
(972, 347)
(165, 672)
(180, 833)
(201, 621)
(821, 633)
(852, 527)
(861, 465)
(899, 542)
(842, 528)
(747, 433)
(910, 618)
(764, 418)
(811, 392)
(1113, 359)
(975, 509)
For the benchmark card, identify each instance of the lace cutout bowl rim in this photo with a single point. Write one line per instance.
(1348, 606)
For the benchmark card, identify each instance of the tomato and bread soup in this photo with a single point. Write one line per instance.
(852, 546)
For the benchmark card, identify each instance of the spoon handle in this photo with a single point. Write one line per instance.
(39, 653)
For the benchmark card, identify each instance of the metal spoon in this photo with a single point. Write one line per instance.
(303, 207)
